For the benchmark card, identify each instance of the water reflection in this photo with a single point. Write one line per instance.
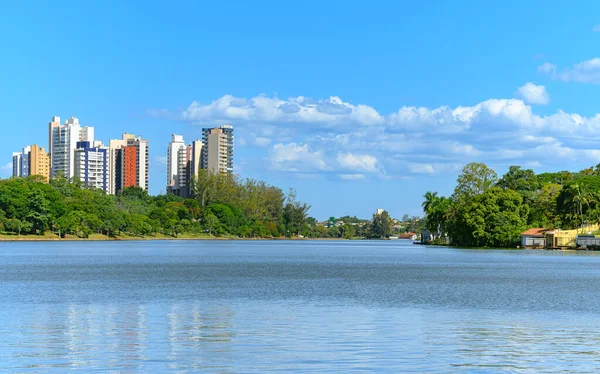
(256, 337)
(117, 337)
(255, 308)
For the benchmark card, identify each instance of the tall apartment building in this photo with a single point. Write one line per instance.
(39, 162)
(128, 163)
(217, 153)
(175, 164)
(115, 164)
(63, 141)
(54, 124)
(91, 164)
(32, 160)
(193, 163)
(21, 163)
(183, 164)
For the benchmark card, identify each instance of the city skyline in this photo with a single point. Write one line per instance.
(373, 107)
(74, 152)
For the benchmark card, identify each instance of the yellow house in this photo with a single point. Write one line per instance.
(566, 238)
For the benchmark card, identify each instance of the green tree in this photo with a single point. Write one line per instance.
(229, 216)
(524, 181)
(475, 179)
(17, 226)
(430, 200)
(494, 218)
(295, 214)
(2, 220)
(436, 216)
(348, 232)
(212, 223)
(561, 178)
(382, 225)
(38, 212)
(544, 208)
(68, 207)
(580, 199)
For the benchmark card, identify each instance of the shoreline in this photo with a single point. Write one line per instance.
(125, 239)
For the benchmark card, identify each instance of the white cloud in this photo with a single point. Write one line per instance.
(584, 72)
(489, 113)
(328, 112)
(533, 94)
(463, 149)
(7, 166)
(421, 168)
(532, 164)
(391, 132)
(294, 157)
(538, 139)
(354, 162)
(546, 68)
(596, 28)
(307, 137)
(262, 141)
(432, 168)
(351, 177)
(593, 154)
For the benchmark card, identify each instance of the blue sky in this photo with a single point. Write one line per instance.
(357, 105)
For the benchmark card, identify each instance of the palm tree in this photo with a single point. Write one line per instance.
(580, 197)
(430, 200)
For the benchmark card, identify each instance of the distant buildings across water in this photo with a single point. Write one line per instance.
(213, 153)
(73, 152)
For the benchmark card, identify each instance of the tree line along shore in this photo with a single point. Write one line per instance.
(221, 206)
(490, 211)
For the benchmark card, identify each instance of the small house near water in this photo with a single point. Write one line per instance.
(534, 238)
(588, 241)
(408, 235)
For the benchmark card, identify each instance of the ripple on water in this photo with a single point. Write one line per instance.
(286, 306)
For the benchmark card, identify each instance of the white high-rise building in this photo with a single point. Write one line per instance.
(63, 143)
(182, 165)
(175, 156)
(21, 163)
(54, 124)
(91, 164)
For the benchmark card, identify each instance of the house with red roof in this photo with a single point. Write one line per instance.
(534, 238)
(408, 235)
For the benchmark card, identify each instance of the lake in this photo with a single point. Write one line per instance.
(296, 306)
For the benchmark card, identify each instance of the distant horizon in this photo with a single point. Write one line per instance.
(368, 107)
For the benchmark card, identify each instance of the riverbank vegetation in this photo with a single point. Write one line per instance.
(220, 206)
(486, 210)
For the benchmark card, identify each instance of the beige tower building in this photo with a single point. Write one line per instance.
(39, 162)
(217, 150)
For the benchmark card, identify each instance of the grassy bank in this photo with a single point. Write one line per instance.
(49, 236)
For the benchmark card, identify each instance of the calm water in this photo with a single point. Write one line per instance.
(296, 307)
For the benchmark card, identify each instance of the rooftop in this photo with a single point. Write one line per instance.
(535, 232)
